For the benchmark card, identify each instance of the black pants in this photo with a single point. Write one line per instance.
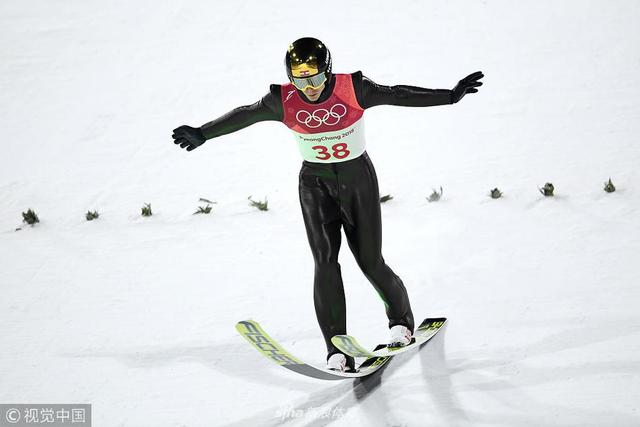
(335, 195)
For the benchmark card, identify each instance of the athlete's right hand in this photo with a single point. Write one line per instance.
(188, 137)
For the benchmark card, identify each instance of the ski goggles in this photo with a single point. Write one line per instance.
(314, 82)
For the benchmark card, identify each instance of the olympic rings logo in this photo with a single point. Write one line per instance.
(321, 116)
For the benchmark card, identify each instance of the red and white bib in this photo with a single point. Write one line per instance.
(331, 131)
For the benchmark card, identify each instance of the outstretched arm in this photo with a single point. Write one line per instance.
(268, 108)
(370, 94)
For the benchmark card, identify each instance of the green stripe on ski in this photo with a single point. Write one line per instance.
(349, 345)
(269, 348)
(429, 325)
(427, 329)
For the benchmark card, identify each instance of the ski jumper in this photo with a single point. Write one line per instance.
(338, 188)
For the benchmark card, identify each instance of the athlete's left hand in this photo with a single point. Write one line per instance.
(467, 85)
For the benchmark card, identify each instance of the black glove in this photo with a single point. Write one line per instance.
(466, 85)
(188, 137)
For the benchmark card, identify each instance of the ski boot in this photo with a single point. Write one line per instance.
(340, 362)
(399, 336)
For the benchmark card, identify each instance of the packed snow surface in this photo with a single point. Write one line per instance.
(136, 315)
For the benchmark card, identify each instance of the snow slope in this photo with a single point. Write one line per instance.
(135, 315)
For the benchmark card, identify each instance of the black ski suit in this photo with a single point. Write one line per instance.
(342, 195)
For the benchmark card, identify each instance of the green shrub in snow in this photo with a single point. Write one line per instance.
(609, 187)
(146, 210)
(435, 196)
(547, 190)
(203, 210)
(259, 204)
(30, 217)
(92, 215)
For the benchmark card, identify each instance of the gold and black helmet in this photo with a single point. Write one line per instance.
(308, 63)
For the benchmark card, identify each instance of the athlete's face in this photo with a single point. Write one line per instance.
(313, 94)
